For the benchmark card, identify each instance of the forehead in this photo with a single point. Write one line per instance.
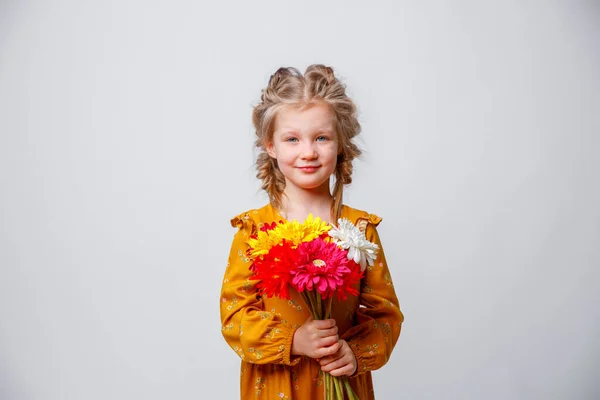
(314, 116)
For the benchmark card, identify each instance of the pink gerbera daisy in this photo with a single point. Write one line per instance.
(322, 266)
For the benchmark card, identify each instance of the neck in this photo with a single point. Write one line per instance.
(298, 203)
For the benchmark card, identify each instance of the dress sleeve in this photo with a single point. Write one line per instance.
(256, 335)
(378, 318)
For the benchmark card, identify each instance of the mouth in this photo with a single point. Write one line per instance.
(308, 168)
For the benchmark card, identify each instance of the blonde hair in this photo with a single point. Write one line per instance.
(288, 87)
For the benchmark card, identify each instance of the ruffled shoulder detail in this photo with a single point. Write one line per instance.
(360, 218)
(245, 221)
(253, 219)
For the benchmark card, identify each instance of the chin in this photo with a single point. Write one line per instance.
(311, 185)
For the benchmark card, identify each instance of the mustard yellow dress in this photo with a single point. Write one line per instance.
(260, 329)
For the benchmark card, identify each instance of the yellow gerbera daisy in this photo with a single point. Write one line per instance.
(291, 231)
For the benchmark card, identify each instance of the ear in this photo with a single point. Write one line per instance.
(271, 149)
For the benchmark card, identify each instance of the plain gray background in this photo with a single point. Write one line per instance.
(126, 147)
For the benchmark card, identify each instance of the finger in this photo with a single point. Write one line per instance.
(329, 359)
(316, 334)
(328, 341)
(347, 369)
(328, 332)
(324, 323)
(334, 365)
(327, 351)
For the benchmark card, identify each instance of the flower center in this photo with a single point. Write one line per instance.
(319, 263)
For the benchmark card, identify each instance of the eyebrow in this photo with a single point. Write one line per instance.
(317, 132)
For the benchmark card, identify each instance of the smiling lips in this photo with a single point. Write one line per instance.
(308, 168)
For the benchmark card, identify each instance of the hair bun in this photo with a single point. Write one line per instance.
(282, 73)
(321, 79)
(277, 83)
(324, 71)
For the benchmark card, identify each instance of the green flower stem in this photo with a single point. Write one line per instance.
(308, 299)
(339, 392)
(319, 304)
(349, 391)
(328, 312)
(318, 310)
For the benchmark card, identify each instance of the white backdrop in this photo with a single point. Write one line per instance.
(126, 147)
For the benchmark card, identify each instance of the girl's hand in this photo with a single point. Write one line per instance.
(316, 338)
(343, 362)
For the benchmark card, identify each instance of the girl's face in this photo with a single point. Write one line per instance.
(305, 145)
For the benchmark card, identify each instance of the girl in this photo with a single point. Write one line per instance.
(304, 127)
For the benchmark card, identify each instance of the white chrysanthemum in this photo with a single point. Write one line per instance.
(350, 238)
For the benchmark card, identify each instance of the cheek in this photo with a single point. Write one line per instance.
(333, 152)
(286, 156)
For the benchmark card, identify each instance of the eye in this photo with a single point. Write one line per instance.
(291, 139)
(322, 138)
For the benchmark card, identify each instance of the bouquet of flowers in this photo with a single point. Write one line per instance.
(317, 260)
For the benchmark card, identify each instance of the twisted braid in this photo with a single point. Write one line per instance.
(273, 181)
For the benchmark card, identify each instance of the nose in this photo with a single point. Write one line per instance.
(308, 152)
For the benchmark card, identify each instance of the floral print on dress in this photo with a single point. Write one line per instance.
(260, 385)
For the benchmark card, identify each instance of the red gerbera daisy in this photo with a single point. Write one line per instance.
(351, 281)
(273, 270)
